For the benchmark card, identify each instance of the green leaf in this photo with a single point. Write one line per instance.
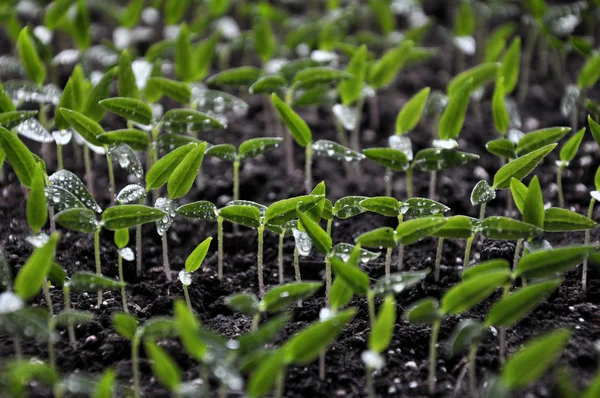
(73, 190)
(511, 63)
(6, 104)
(269, 369)
(5, 272)
(590, 73)
(188, 328)
(563, 220)
(519, 193)
(243, 76)
(468, 293)
(502, 147)
(391, 158)
(348, 207)
(264, 40)
(174, 12)
(91, 105)
(466, 334)
(297, 127)
(131, 15)
(195, 259)
(13, 118)
(126, 84)
(532, 361)
(411, 112)
(80, 26)
(137, 139)
(521, 167)
(55, 13)
(179, 91)
(105, 387)
(34, 67)
(382, 72)
(319, 237)
(19, 157)
(78, 219)
(546, 263)
(499, 112)
(453, 117)
(268, 85)
(257, 146)
(87, 128)
(184, 175)
(540, 138)
(246, 215)
(497, 42)
(188, 120)
(204, 54)
(246, 303)
(121, 237)
(457, 227)
(283, 211)
(352, 276)
(511, 309)
(127, 216)
(163, 366)
(382, 332)
(290, 69)
(482, 193)
(56, 275)
(434, 159)
(351, 89)
(533, 208)
(309, 77)
(333, 150)
(398, 283)
(420, 207)
(481, 75)
(504, 228)
(464, 23)
(305, 346)
(129, 108)
(423, 311)
(31, 276)
(569, 150)
(281, 297)
(184, 64)
(595, 129)
(226, 152)
(88, 282)
(380, 237)
(160, 171)
(384, 205)
(37, 212)
(385, 18)
(72, 317)
(412, 231)
(497, 264)
(253, 341)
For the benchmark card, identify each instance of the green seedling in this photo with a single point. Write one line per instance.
(192, 263)
(456, 227)
(121, 238)
(567, 154)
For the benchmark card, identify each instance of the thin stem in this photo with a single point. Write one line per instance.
(502, 334)
(388, 182)
(135, 353)
(89, 172)
(400, 257)
(526, 59)
(482, 211)
(259, 257)
(288, 146)
(432, 184)
(438, 258)
(328, 264)
(236, 180)
(59, 156)
(355, 135)
(308, 169)
(586, 241)
(97, 260)
(70, 329)
(17, 344)
(467, 258)
(432, 356)
(255, 321)
(341, 132)
(371, 301)
(280, 386)
(51, 350)
(517, 254)
(52, 221)
(472, 371)
(47, 296)
(561, 198)
(165, 255)
(220, 248)
(409, 183)
(123, 295)
(322, 365)
(186, 293)
(138, 250)
(297, 269)
(370, 385)
(280, 257)
(388, 261)
(111, 177)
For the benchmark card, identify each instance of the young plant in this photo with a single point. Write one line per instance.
(567, 154)
(121, 238)
(192, 263)
(456, 227)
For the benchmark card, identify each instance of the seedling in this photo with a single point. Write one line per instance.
(567, 154)
(121, 238)
(192, 263)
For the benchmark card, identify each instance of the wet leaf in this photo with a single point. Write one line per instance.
(78, 219)
(412, 231)
(246, 215)
(127, 216)
(482, 193)
(434, 159)
(69, 182)
(563, 220)
(457, 227)
(504, 228)
(521, 167)
(380, 237)
(348, 207)
(391, 158)
(546, 263)
(226, 152)
(420, 207)
(269, 85)
(257, 146)
(129, 108)
(318, 236)
(31, 276)
(202, 210)
(468, 293)
(136, 139)
(195, 259)
(12, 119)
(384, 205)
(333, 150)
(281, 297)
(297, 127)
(540, 138)
(399, 283)
(189, 121)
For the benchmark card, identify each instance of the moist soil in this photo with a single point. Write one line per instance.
(265, 180)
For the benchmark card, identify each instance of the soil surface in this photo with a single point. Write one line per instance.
(265, 180)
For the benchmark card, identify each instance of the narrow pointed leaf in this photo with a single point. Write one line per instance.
(546, 263)
(129, 108)
(521, 167)
(473, 291)
(195, 259)
(78, 219)
(412, 231)
(389, 157)
(127, 216)
(19, 156)
(563, 220)
(505, 228)
(184, 175)
(319, 237)
(160, 172)
(297, 127)
(87, 128)
(281, 297)
(31, 276)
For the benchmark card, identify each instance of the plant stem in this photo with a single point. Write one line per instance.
(472, 372)
(561, 198)
(111, 177)
(467, 258)
(297, 269)
(373, 112)
(47, 296)
(328, 264)
(341, 132)
(409, 183)
(135, 349)
(370, 386)
(17, 344)
(259, 257)
(255, 321)
(438, 258)
(388, 182)
(59, 156)
(435, 330)
(526, 59)
(138, 250)
(400, 257)
(51, 351)
(502, 334)
(97, 260)
(388, 261)
(355, 135)
(432, 184)
(280, 386)
(280, 257)
(482, 211)
(123, 295)
(322, 365)
(236, 180)
(371, 301)
(165, 255)
(89, 172)
(586, 241)
(308, 169)
(70, 329)
(220, 248)
(517, 254)
(186, 293)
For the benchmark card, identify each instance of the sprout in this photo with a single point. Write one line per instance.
(192, 263)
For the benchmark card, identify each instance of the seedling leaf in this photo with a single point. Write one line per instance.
(19, 156)
(195, 259)
(78, 219)
(281, 297)
(412, 231)
(563, 220)
(30, 278)
(129, 108)
(504, 228)
(297, 127)
(468, 293)
(382, 332)
(545, 263)
(183, 177)
(127, 216)
(521, 167)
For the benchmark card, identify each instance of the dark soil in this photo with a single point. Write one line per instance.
(264, 180)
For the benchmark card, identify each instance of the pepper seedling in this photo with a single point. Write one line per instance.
(192, 263)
